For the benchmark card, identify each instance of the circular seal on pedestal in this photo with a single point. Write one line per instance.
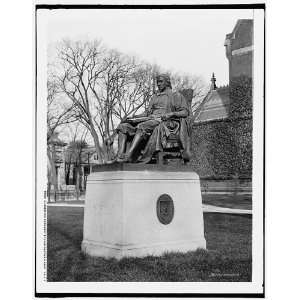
(165, 209)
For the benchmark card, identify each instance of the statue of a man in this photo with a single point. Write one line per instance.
(164, 114)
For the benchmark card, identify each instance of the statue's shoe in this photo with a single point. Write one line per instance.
(186, 155)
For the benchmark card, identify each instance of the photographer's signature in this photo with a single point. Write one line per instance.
(218, 273)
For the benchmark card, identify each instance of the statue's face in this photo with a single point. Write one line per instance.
(161, 84)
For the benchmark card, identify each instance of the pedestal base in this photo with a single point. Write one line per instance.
(126, 214)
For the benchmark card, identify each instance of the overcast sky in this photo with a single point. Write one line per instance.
(190, 41)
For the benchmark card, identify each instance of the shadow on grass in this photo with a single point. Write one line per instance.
(228, 257)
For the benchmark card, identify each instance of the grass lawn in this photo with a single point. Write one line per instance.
(224, 200)
(228, 257)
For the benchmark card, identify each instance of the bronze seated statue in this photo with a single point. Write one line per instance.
(161, 132)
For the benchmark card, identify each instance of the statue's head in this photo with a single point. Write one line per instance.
(163, 81)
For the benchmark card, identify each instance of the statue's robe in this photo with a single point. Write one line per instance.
(158, 131)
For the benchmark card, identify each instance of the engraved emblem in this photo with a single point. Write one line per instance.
(165, 209)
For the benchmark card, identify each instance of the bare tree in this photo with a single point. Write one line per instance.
(104, 86)
(73, 156)
(185, 81)
(58, 113)
(125, 87)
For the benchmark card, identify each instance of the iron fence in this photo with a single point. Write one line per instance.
(65, 195)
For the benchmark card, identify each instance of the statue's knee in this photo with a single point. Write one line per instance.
(141, 131)
(140, 127)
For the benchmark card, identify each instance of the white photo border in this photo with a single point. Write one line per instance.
(256, 287)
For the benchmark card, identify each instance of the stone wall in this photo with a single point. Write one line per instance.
(243, 35)
(241, 65)
(239, 49)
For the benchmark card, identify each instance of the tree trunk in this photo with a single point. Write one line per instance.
(48, 190)
(77, 182)
(97, 144)
(53, 176)
(67, 174)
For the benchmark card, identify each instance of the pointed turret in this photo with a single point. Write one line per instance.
(213, 82)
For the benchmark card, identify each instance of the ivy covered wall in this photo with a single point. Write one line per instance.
(223, 148)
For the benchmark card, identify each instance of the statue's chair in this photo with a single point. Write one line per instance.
(174, 149)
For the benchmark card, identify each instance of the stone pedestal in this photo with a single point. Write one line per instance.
(136, 211)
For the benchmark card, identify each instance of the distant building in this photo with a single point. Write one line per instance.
(66, 166)
(73, 171)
